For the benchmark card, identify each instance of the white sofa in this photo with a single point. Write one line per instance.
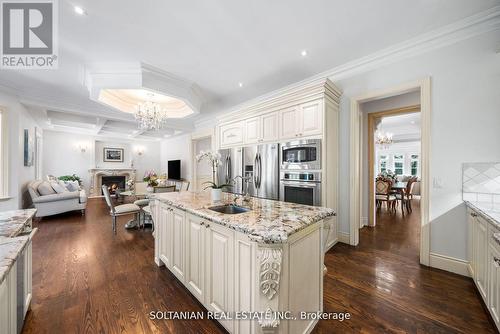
(49, 202)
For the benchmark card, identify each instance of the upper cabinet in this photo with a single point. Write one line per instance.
(302, 120)
(310, 118)
(292, 116)
(289, 122)
(269, 127)
(252, 130)
(231, 134)
(261, 128)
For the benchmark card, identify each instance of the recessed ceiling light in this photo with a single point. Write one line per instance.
(303, 53)
(80, 11)
(240, 84)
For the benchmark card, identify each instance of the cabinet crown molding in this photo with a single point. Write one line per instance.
(295, 95)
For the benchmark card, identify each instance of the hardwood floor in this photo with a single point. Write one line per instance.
(381, 283)
(88, 281)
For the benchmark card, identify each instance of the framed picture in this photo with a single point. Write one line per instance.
(28, 148)
(113, 154)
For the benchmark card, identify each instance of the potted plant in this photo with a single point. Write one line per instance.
(214, 160)
(151, 178)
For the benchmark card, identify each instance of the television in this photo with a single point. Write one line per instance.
(174, 169)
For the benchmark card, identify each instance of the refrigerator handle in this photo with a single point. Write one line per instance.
(255, 168)
(229, 167)
(260, 169)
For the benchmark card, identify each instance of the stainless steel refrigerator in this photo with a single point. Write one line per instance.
(230, 167)
(261, 164)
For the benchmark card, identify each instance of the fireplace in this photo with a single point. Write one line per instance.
(114, 182)
(98, 175)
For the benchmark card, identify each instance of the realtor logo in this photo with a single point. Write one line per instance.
(29, 34)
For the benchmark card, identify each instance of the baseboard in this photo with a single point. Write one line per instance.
(344, 238)
(449, 263)
(363, 222)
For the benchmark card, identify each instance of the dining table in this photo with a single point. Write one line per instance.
(134, 222)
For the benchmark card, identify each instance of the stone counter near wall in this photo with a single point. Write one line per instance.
(14, 222)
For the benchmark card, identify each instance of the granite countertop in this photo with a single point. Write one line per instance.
(13, 222)
(10, 248)
(490, 211)
(267, 222)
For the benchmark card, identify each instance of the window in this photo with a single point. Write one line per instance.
(382, 164)
(399, 164)
(414, 165)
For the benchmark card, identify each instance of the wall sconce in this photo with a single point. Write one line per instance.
(139, 150)
(82, 147)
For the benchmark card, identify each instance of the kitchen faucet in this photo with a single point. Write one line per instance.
(246, 197)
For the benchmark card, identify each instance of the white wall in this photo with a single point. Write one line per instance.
(18, 119)
(177, 148)
(465, 126)
(63, 156)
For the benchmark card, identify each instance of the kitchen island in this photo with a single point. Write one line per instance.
(255, 271)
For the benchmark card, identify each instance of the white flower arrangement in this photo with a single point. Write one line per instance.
(214, 158)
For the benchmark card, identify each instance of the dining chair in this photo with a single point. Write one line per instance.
(405, 196)
(119, 210)
(383, 194)
(183, 185)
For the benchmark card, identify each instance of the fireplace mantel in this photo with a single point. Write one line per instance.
(96, 175)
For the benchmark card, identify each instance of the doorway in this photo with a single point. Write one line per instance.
(201, 171)
(358, 193)
(393, 157)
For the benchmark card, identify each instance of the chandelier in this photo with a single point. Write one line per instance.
(150, 116)
(383, 139)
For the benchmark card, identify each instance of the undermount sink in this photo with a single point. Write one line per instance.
(229, 209)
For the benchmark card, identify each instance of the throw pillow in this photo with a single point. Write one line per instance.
(45, 189)
(72, 185)
(57, 187)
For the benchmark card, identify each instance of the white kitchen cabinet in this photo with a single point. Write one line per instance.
(195, 256)
(178, 244)
(310, 118)
(28, 275)
(470, 241)
(302, 121)
(269, 130)
(289, 123)
(8, 303)
(261, 129)
(481, 256)
(494, 281)
(330, 231)
(231, 134)
(164, 228)
(252, 130)
(219, 270)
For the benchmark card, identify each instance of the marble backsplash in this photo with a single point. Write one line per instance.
(481, 182)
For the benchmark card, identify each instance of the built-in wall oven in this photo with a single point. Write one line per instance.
(301, 155)
(302, 187)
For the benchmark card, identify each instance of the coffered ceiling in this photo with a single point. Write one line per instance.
(231, 51)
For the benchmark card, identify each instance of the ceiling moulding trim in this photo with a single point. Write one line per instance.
(76, 109)
(118, 138)
(100, 76)
(477, 24)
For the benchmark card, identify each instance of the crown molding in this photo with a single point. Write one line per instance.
(137, 75)
(477, 24)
